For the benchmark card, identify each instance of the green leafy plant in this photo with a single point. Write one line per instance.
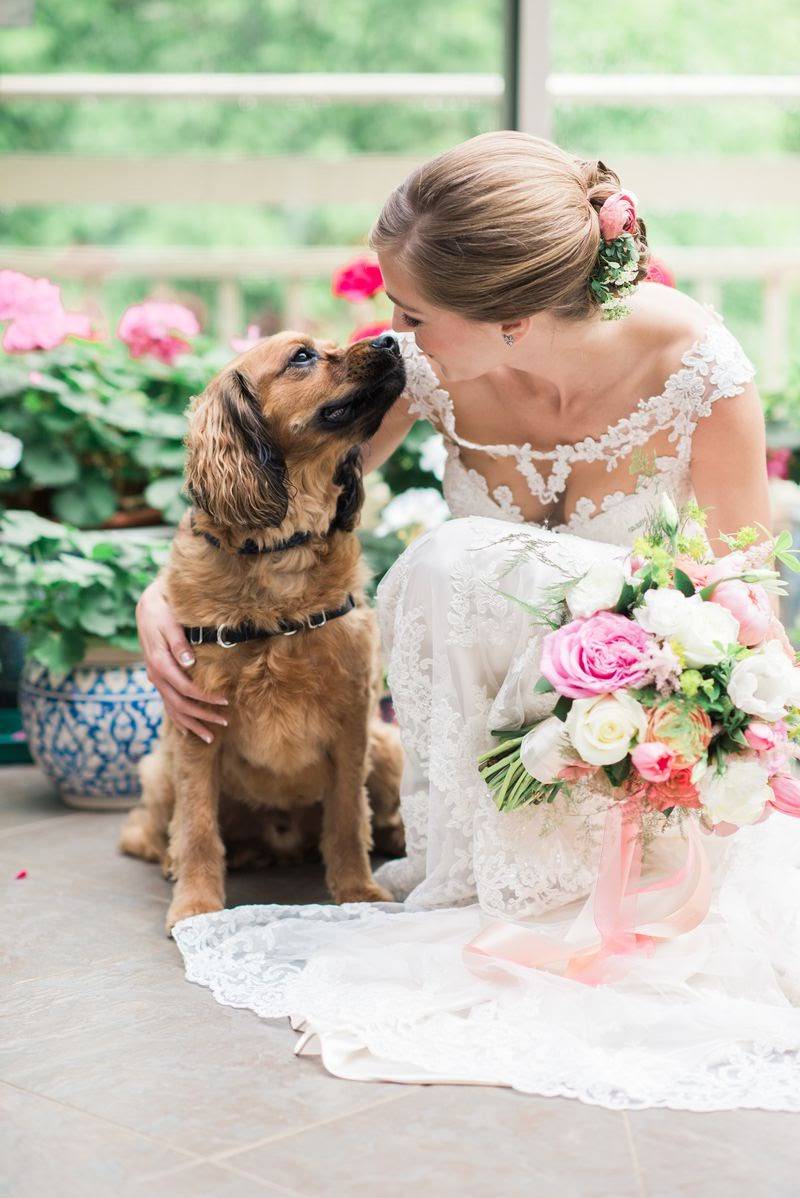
(65, 589)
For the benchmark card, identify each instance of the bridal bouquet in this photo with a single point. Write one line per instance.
(672, 677)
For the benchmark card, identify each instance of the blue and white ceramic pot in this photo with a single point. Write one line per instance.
(88, 730)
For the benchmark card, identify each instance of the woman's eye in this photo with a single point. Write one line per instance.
(410, 321)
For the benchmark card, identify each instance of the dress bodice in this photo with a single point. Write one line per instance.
(713, 366)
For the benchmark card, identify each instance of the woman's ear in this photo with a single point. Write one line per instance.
(348, 476)
(234, 470)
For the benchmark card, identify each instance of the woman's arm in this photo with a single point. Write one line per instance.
(729, 470)
(168, 654)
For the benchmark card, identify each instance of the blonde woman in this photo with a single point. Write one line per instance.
(568, 427)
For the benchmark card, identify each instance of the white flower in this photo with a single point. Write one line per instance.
(422, 508)
(602, 729)
(433, 455)
(765, 684)
(10, 451)
(736, 796)
(669, 513)
(705, 631)
(598, 590)
(660, 611)
(543, 749)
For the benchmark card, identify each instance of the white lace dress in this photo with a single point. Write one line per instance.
(711, 1020)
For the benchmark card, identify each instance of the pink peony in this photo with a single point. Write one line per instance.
(358, 280)
(785, 794)
(370, 330)
(594, 655)
(151, 328)
(778, 463)
(750, 604)
(618, 215)
(36, 314)
(251, 338)
(696, 571)
(659, 272)
(653, 760)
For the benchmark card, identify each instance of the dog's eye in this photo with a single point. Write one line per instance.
(302, 356)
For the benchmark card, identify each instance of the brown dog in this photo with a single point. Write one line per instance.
(266, 574)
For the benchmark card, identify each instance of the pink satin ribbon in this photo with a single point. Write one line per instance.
(628, 918)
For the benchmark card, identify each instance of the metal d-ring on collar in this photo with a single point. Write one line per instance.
(227, 635)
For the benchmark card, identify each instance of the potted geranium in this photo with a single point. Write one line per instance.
(89, 712)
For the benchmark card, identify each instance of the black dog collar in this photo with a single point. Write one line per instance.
(227, 636)
(250, 547)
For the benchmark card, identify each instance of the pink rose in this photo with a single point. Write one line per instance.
(594, 655)
(785, 794)
(370, 330)
(750, 604)
(653, 760)
(358, 280)
(151, 328)
(778, 463)
(618, 215)
(659, 272)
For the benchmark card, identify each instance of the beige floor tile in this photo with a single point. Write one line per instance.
(456, 1140)
(48, 1150)
(25, 797)
(721, 1154)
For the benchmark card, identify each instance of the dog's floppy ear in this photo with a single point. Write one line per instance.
(234, 470)
(348, 476)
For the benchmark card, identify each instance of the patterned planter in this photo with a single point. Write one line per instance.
(88, 730)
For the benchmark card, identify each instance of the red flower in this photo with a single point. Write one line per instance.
(659, 272)
(359, 280)
(370, 330)
(677, 791)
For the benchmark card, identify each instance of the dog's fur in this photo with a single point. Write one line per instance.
(269, 456)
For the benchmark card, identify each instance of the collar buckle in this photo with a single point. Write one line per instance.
(195, 640)
(320, 623)
(221, 638)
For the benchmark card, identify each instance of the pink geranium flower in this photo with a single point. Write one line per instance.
(370, 330)
(251, 338)
(594, 655)
(36, 314)
(659, 272)
(157, 328)
(778, 463)
(358, 280)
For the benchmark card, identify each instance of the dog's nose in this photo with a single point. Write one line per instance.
(386, 341)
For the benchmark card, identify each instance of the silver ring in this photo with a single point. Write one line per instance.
(291, 632)
(221, 639)
(322, 622)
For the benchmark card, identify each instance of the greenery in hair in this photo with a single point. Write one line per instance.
(615, 275)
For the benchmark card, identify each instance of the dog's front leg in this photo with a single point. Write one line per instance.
(346, 817)
(196, 849)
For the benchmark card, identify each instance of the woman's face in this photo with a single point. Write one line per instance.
(458, 348)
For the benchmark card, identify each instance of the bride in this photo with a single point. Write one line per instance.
(564, 428)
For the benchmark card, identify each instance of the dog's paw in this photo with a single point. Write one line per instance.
(184, 908)
(362, 892)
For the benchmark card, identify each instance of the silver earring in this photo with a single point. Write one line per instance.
(508, 338)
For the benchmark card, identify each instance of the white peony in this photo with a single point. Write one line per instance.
(418, 508)
(602, 729)
(660, 611)
(765, 684)
(705, 631)
(10, 451)
(738, 795)
(543, 749)
(598, 590)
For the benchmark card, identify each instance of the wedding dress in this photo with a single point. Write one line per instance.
(711, 1020)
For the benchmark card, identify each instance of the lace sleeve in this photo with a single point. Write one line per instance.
(422, 386)
(715, 368)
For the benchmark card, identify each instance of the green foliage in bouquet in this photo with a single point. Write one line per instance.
(65, 589)
(102, 432)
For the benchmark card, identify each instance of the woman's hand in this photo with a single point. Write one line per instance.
(168, 655)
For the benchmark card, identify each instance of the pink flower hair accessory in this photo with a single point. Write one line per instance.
(618, 215)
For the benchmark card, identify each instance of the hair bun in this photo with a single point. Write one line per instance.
(600, 181)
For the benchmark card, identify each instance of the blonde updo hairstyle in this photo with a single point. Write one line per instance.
(502, 226)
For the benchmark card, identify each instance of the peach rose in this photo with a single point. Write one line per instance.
(685, 730)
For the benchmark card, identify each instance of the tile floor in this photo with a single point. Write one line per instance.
(119, 1078)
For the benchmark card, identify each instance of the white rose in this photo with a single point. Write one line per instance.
(738, 795)
(422, 508)
(542, 750)
(602, 729)
(10, 451)
(765, 684)
(660, 611)
(705, 630)
(598, 590)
